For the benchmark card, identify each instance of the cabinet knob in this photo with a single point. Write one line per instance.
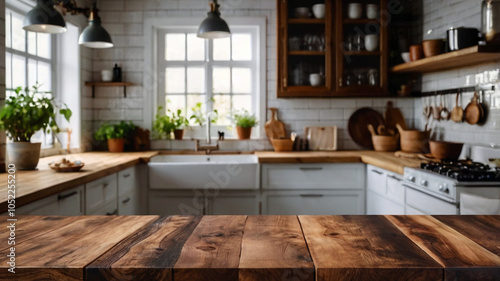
(115, 212)
(126, 200)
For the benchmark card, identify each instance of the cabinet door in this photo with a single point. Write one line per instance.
(314, 203)
(376, 179)
(127, 180)
(66, 203)
(379, 205)
(176, 203)
(109, 209)
(304, 48)
(128, 204)
(100, 192)
(233, 204)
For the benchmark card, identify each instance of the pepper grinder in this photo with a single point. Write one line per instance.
(117, 73)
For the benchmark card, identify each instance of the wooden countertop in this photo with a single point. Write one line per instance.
(384, 160)
(302, 248)
(35, 185)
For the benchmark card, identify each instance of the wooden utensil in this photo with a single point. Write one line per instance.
(473, 112)
(393, 116)
(275, 129)
(372, 130)
(445, 113)
(436, 110)
(358, 125)
(457, 113)
(381, 130)
(427, 108)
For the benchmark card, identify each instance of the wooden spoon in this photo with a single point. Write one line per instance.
(372, 130)
(436, 110)
(457, 113)
(473, 111)
(445, 113)
(381, 130)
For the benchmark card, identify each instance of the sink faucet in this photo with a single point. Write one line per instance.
(208, 147)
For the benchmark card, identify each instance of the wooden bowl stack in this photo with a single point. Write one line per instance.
(414, 140)
(282, 144)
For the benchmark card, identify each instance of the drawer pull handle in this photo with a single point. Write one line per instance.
(394, 178)
(126, 200)
(126, 175)
(64, 196)
(115, 212)
(311, 195)
(311, 168)
(377, 172)
(105, 185)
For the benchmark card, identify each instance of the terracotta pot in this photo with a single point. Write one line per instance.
(178, 134)
(244, 133)
(116, 145)
(24, 155)
(416, 52)
(432, 47)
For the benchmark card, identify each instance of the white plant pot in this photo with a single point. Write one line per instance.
(24, 155)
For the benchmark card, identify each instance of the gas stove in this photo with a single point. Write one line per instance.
(464, 171)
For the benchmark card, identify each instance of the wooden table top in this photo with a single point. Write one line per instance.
(304, 248)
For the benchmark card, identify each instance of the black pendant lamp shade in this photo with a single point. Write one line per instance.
(214, 26)
(44, 18)
(94, 35)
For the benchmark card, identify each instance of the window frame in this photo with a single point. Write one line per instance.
(151, 29)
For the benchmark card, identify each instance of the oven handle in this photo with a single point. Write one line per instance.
(431, 195)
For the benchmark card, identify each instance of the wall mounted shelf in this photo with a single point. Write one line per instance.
(466, 57)
(109, 84)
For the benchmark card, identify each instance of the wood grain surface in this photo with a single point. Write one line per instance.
(364, 248)
(484, 230)
(149, 254)
(273, 248)
(213, 250)
(62, 254)
(38, 184)
(462, 258)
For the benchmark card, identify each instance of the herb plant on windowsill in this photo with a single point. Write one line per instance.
(115, 134)
(24, 114)
(244, 123)
(171, 122)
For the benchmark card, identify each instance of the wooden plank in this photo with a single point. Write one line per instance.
(364, 248)
(484, 230)
(149, 254)
(273, 248)
(461, 257)
(41, 183)
(213, 250)
(62, 254)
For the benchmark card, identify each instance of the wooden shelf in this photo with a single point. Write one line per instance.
(306, 21)
(306, 53)
(109, 84)
(359, 21)
(361, 53)
(466, 57)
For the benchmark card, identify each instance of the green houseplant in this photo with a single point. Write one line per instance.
(25, 113)
(115, 134)
(244, 123)
(165, 124)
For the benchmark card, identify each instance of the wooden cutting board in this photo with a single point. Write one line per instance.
(275, 129)
(358, 125)
(394, 116)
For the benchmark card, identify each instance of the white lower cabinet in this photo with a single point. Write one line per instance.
(385, 194)
(233, 203)
(128, 191)
(128, 204)
(67, 203)
(100, 194)
(109, 209)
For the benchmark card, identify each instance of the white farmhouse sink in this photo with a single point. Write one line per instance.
(203, 172)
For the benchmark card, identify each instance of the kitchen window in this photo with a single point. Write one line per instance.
(221, 74)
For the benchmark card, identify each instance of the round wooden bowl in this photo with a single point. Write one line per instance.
(414, 140)
(282, 144)
(445, 150)
(385, 143)
(432, 47)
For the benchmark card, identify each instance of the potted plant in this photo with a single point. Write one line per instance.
(179, 123)
(115, 134)
(163, 125)
(244, 123)
(24, 114)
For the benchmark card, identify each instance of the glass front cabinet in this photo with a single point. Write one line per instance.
(331, 48)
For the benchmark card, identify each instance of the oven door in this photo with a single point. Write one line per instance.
(418, 202)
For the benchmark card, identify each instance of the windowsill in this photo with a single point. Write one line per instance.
(231, 144)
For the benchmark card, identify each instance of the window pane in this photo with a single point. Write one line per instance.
(196, 48)
(241, 102)
(8, 73)
(32, 43)
(32, 73)
(175, 46)
(7, 29)
(44, 76)
(175, 102)
(18, 71)
(221, 80)
(242, 47)
(222, 49)
(43, 45)
(242, 80)
(223, 105)
(18, 33)
(175, 80)
(196, 80)
(192, 100)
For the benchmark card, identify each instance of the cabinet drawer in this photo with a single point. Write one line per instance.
(127, 180)
(315, 176)
(66, 203)
(127, 204)
(395, 189)
(100, 192)
(376, 204)
(427, 204)
(109, 209)
(376, 179)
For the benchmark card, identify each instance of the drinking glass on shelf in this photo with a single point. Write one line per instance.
(361, 78)
(373, 78)
(349, 78)
(359, 42)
